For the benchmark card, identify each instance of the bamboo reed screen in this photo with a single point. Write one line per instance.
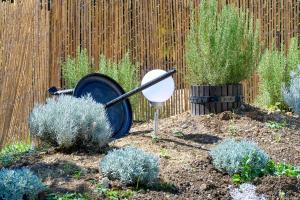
(37, 35)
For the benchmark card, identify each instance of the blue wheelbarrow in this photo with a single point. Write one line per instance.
(108, 92)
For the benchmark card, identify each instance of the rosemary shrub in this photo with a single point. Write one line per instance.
(73, 69)
(124, 72)
(274, 70)
(221, 47)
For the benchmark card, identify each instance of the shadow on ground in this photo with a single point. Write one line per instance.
(202, 138)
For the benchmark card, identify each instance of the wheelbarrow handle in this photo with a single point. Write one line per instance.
(55, 91)
(142, 87)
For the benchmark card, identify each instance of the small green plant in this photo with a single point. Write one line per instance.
(13, 152)
(280, 169)
(124, 72)
(73, 69)
(247, 173)
(278, 138)
(283, 169)
(276, 125)
(19, 184)
(232, 128)
(131, 166)
(77, 174)
(274, 70)
(114, 194)
(164, 153)
(155, 138)
(178, 134)
(281, 195)
(67, 196)
(222, 46)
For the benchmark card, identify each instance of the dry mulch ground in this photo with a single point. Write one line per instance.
(183, 148)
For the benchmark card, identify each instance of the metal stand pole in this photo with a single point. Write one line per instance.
(156, 106)
(155, 125)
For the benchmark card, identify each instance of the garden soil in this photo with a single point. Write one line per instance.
(183, 147)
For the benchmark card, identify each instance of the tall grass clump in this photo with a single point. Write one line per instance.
(131, 166)
(291, 91)
(274, 70)
(124, 72)
(19, 184)
(73, 69)
(221, 47)
(69, 122)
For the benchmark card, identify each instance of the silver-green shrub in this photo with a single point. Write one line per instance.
(19, 184)
(291, 92)
(229, 156)
(130, 166)
(274, 70)
(69, 122)
(222, 47)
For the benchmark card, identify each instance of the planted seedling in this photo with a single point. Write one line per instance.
(276, 125)
(67, 196)
(115, 194)
(164, 153)
(178, 134)
(232, 128)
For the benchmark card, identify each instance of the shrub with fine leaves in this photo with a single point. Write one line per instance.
(124, 72)
(229, 156)
(70, 122)
(19, 184)
(274, 69)
(291, 92)
(73, 69)
(222, 47)
(130, 166)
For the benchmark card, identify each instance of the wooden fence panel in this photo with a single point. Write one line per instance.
(24, 65)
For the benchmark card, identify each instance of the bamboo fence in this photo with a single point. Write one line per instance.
(37, 35)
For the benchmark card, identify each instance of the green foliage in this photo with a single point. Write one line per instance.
(274, 69)
(67, 196)
(221, 47)
(276, 125)
(73, 69)
(131, 166)
(232, 128)
(280, 169)
(19, 184)
(114, 194)
(234, 156)
(283, 169)
(70, 122)
(291, 92)
(164, 153)
(13, 152)
(124, 72)
(247, 173)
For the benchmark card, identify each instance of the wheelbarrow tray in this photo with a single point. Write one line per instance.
(103, 89)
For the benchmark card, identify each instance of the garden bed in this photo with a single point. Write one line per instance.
(186, 171)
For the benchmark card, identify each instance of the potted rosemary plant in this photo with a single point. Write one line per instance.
(222, 49)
